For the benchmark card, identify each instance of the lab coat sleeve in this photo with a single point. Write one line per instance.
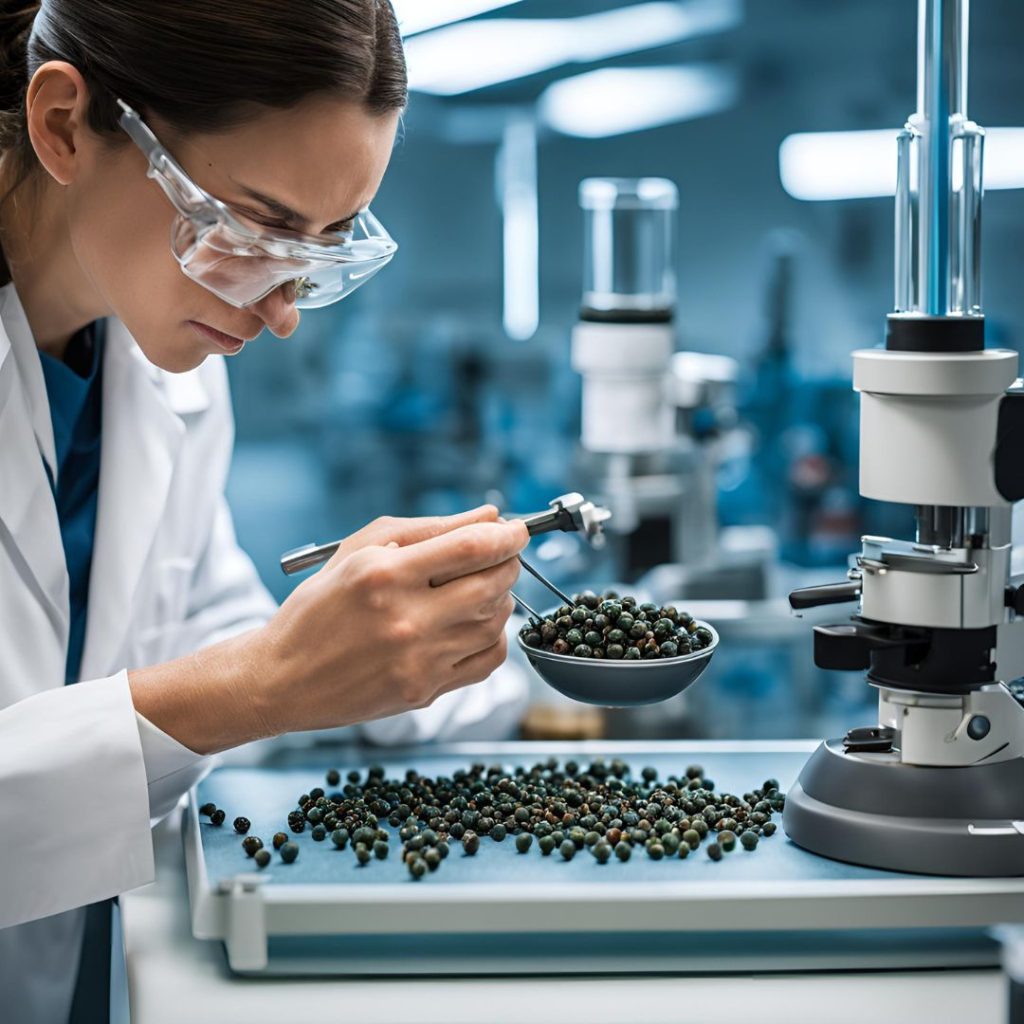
(226, 598)
(73, 800)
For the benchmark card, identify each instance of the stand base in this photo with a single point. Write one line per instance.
(871, 809)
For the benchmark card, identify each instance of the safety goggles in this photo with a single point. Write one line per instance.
(242, 263)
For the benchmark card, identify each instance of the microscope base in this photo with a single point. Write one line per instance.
(871, 809)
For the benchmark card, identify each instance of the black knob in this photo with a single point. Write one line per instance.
(1015, 599)
(978, 727)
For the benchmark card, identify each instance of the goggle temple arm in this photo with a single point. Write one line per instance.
(186, 196)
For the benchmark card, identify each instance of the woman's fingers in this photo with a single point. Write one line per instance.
(477, 597)
(415, 531)
(477, 667)
(388, 530)
(466, 550)
(465, 639)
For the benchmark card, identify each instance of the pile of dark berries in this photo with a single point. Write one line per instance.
(616, 628)
(600, 808)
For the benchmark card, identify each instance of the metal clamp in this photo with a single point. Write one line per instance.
(569, 513)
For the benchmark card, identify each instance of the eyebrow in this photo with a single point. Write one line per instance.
(292, 218)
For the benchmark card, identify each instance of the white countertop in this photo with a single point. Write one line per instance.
(173, 978)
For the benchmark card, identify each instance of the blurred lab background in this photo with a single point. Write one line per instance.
(449, 380)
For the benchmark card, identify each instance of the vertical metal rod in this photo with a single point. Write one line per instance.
(938, 152)
(903, 264)
(941, 95)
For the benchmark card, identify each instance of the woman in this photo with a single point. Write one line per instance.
(174, 178)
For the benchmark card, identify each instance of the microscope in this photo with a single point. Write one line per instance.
(937, 786)
(653, 419)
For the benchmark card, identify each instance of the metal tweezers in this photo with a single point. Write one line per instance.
(570, 513)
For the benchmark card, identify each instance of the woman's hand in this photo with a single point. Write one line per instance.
(405, 610)
(382, 629)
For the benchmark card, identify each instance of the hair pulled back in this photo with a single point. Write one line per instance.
(199, 66)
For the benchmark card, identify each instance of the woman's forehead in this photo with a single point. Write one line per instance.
(323, 159)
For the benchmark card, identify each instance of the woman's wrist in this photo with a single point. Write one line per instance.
(218, 698)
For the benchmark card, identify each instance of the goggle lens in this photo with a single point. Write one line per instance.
(241, 273)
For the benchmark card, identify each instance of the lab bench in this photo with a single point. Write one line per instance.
(506, 937)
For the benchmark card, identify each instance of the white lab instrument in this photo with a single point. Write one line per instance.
(938, 785)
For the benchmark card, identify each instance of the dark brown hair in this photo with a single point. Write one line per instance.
(199, 65)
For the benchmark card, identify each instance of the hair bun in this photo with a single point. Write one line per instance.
(16, 18)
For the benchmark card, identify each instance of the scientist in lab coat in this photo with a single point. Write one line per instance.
(174, 178)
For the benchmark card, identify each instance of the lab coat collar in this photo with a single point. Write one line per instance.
(16, 339)
(143, 429)
(28, 513)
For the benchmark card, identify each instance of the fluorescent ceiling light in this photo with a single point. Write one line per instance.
(613, 101)
(856, 165)
(477, 54)
(420, 15)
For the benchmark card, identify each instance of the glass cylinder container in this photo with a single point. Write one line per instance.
(629, 249)
(939, 177)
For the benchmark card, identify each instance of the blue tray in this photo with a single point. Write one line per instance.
(501, 910)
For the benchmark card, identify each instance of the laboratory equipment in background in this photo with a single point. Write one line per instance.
(654, 421)
(797, 468)
(937, 785)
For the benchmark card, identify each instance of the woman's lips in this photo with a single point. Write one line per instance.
(225, 342)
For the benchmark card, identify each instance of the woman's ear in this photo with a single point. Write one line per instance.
(55, 109)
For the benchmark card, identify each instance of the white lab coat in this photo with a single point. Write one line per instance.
(82, 775)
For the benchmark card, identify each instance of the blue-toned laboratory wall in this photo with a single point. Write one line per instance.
(409, 399)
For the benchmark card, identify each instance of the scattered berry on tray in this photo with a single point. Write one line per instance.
(605, 807)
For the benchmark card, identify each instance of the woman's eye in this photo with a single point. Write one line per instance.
(260, 219)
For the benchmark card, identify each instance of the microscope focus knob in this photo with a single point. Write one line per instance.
(978, 727)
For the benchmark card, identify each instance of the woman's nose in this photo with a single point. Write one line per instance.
(277, 310)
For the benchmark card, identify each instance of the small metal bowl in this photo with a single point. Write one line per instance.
(620, 684)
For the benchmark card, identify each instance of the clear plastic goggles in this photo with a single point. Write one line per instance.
(242, 263)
